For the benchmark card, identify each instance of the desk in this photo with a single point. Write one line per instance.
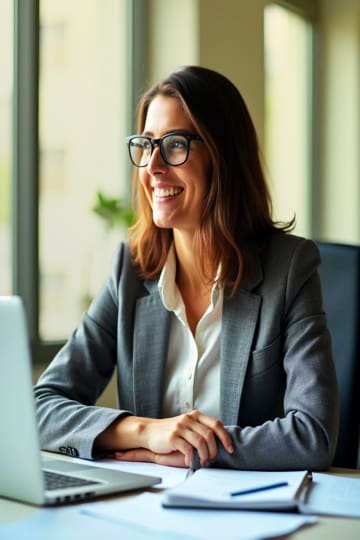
(327, 528)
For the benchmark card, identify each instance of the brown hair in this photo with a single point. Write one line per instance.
(236, 215)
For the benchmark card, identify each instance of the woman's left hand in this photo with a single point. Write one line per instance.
(172, 459)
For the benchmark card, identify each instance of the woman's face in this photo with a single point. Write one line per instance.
(176, 194)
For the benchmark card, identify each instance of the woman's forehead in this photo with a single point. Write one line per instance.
(166, 113)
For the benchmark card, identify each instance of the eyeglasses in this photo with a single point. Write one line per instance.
(174, 148)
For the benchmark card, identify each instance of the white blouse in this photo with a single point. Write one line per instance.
(192, 376)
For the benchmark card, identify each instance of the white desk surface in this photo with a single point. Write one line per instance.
(327, 528)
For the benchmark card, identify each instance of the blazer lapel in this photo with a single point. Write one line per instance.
(151, 338)
(240, 316)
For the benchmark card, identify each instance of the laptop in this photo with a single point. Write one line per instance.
(25, 475)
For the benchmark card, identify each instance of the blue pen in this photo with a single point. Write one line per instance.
(257, 489)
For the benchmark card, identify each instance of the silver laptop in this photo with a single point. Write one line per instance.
(24, 474)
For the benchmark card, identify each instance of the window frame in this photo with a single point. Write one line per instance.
(25, 170)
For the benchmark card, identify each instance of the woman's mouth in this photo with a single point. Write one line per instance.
(166, 193)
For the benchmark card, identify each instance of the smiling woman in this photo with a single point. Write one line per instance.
(212, 314)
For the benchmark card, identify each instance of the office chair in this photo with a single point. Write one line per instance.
(340, 279)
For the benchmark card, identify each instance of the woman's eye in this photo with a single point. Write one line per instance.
(177, 144)
(140, 145)
(146, 145)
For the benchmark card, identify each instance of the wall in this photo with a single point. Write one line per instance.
(107, 399)
(224, 35)
(339, 120)
(173, 36)
(231, 41)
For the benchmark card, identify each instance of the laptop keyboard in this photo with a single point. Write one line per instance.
(60, 481)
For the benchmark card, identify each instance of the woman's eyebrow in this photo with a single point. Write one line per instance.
(167, 132)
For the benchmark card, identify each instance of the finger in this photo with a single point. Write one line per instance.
(197, 441)
(217, 428)
(210, 440)
(180, 442)
(189, 430)
(203, 439)
(136, 454)
(174, 459)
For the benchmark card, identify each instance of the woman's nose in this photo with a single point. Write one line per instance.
(156, 163)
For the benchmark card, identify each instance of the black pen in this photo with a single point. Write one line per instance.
(257, 489)
(189, 472)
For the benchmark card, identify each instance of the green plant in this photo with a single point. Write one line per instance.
(114, 211)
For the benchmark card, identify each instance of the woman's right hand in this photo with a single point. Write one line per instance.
(184, 433)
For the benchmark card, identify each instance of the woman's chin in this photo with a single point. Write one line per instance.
(162, 222)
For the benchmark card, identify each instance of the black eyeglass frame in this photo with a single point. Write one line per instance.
(153, 142)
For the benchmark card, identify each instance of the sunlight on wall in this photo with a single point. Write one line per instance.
(174, 36)
(82, 150)
(288, 114)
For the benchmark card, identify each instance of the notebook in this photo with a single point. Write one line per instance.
(24, 473)
(245, 490)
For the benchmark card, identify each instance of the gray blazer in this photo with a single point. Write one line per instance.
(278, 390)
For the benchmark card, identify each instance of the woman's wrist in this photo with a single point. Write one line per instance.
(124, 433)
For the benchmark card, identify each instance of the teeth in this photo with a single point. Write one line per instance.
(169, 192)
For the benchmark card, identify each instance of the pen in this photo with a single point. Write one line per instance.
(189, 472)
(257, 489)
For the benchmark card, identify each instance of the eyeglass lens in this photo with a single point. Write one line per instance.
(174, 149)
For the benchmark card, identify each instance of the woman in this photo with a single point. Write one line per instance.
(212, 314)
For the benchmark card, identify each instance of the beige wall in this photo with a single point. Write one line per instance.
(173, 35)
(225, 35)
(339, 114)
(107, 399)
(231, 41)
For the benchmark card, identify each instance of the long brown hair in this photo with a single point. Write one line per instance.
(236, 215)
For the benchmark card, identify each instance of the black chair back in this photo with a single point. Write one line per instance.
(340, 278)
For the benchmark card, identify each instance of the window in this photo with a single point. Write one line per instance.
(6, 89)
(77, 72)
(288, 115)
(82, 99)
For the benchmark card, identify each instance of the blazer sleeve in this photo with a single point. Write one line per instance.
(66, 393)
(305, 435)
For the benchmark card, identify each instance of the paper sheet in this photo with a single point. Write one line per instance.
(145, 510)
(333, 495)
(70, 524)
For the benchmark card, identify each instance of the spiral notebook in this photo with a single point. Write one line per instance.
(247, 490)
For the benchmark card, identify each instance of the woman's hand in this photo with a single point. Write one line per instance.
(173, 438)
(173, 459)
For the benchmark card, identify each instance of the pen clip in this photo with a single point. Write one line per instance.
(304, 488)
